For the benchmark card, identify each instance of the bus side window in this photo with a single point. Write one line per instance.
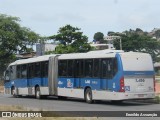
(31, 70)
(62, 68)
(44, 69)
(103, 68)
(70, 68)
(7, 74)
(107, 68)
(23, 71)
(115, 66)
(37, 70)
(79, 68)
(96, 68)
(88, 67)
(13, 72)
(18, 72)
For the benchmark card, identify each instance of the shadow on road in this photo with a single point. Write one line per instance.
(124, 103)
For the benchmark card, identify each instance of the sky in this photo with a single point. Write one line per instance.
(45, 17)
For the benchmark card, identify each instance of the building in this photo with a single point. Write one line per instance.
(102, 46)
(42, 48)
(26, 55)
(110, 40)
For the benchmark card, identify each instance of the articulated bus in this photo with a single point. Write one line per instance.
(114, 76)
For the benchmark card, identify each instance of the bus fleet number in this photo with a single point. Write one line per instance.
(140, 80)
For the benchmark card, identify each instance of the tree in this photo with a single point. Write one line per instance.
(139, 30)
(99, 37)
(13, 39)
(110, 33)
(157, 34)
(71, 39)
(139, 42)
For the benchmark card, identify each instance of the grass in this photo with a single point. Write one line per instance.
(157, 98)
(11, 108)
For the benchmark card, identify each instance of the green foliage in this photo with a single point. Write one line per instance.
(99, 37)
(63, 49)
(139, 41)
(28, 38)
(67, 34)
(138, 30)
(13, 39)
(110, 33)
(157, 98)
(71, 39)
(157, 34)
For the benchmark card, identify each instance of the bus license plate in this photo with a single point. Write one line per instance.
(140, 95)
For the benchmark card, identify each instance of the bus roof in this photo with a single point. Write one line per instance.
(31, 60)
(106, 51)
(63, 56)
(85, 56)
(92, 54)
(134, 53)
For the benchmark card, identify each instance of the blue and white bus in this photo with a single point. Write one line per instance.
(114, 76)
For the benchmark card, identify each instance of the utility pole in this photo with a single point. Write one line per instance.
(120, 43)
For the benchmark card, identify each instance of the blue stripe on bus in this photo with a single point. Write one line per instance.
(95, 83)
(21, 83)
(17, 83)
(38, 81)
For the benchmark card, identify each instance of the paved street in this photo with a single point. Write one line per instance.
(53, 104)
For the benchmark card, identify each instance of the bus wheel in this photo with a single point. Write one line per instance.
(13, 92)
(37, 93)
(88, 95)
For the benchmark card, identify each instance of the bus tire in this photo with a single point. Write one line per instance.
(37, 93)
(13, 92)
(88, 96)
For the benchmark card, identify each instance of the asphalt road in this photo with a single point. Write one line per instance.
(72, 105)
(54, 104)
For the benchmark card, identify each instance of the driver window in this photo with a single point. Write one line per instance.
(12, 72)
(7, 75)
